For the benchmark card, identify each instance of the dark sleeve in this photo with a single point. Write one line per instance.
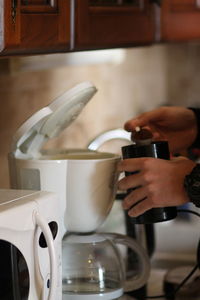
(196, 111)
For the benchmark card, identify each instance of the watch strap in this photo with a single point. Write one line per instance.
(196, 111)
(192, 185)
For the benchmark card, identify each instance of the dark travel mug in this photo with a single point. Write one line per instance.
(158, 149)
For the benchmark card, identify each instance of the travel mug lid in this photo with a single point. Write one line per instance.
(48, 122)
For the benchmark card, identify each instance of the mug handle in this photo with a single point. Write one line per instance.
(140, 280)
(41, 222)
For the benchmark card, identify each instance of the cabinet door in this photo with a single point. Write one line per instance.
(112, 23)
(180, 20)
(34, 26)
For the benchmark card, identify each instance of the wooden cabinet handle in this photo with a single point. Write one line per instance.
(14, 11)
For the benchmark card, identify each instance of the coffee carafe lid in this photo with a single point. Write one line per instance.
(48, 122)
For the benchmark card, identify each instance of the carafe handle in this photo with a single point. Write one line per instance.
(140, 280)
(41, 222)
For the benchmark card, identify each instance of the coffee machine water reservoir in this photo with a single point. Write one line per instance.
(85, 182)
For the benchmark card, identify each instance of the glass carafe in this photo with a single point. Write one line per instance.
(93, 266)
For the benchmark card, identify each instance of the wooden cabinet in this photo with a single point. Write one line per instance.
(180, 20)
(112, 23)
(123, 23)
(34, 26)
(48, 26)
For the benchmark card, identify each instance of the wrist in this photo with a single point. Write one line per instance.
(196, 139)
(192, 185)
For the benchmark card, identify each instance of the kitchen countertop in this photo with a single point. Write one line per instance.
(154, 285)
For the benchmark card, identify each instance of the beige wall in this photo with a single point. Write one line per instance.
(148, 77)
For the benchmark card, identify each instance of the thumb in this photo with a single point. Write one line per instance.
(130, 125)
(143, 120)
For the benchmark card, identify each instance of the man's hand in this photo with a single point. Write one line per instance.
(156, 183)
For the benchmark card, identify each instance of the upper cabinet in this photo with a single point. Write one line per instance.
(48, 26)
(112, 23)
(34, 26)
(180, 20)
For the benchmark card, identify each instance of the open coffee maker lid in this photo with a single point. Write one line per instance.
(48, 122)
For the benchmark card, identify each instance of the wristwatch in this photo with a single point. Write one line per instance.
(192, 185)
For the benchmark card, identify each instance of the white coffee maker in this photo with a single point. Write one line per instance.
(85, 182)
